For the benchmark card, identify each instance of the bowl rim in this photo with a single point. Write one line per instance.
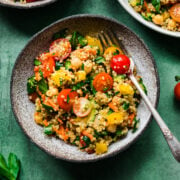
(117, 150)
(148, 24)
(31, 5)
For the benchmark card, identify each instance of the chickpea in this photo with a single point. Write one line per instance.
(52, 92)
(88, 66)
(112, 128)
(171, 24)
(38, 117)
(76, 63)
(158, 19)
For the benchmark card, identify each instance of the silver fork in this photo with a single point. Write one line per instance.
(109, 38)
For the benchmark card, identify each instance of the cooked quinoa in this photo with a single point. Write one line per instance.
(78, 97)
(161, 13)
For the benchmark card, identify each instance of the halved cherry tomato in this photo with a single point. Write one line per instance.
(175, 12)
(48, 66)
(82, 107)
(177, 91)
(120, 64)
(61, 48)
(103, 82)
(113, 51)
(66, 99)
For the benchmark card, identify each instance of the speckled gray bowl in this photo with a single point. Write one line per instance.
(12, 4)
(23, 68)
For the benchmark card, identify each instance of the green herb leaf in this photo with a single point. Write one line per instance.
(67, 65)
(37, 62)
(77, 139)
(136, 121)
(68, 98)
(99, 60)
(86, 140)
(43, 86)
(116, 53)
(82, 67)
(31, 85)
(105, 89)
(125, 106)
(11, 170)
(110, 111)
(48, 130)
(119, 132)
(177, 78)
(156, 4)
(143, 86)
(48, 108)
(14, 165)
(58, 65)
(82, 40)
(60, 34)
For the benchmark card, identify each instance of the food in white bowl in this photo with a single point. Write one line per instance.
(164, 13)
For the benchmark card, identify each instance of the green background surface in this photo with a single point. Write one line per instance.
(149, 158)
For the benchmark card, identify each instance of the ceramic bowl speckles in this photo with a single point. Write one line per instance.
(23, 68)
(36, 4)
(134, 14)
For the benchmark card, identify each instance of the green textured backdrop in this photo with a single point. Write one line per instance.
(149, 158)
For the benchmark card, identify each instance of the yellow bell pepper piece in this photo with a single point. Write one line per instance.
(101, 148)
(60, 75)
(115, 118)
(81, 75)
(92, 41)
(126, 89)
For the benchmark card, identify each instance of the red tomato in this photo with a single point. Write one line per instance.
(82, 107)
(177, 91)
(66, 99)
(103, 82)
(61, 48)
(28, 1)
(48, 66)
(175, 12)
(83, 144)
(120, 64)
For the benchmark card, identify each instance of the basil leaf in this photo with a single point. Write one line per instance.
(31, 85)
(43, 86)
(4, 171)
(14, 165)
(110, 112)
(37, 62)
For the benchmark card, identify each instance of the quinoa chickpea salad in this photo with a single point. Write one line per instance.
(164, 13)
(82, 93)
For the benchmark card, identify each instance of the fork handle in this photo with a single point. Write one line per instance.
(173, 143)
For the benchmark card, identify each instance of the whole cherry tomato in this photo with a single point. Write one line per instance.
(175, 12)
(120, 64)
(177, 91)
(66, 99)
(103, 82)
